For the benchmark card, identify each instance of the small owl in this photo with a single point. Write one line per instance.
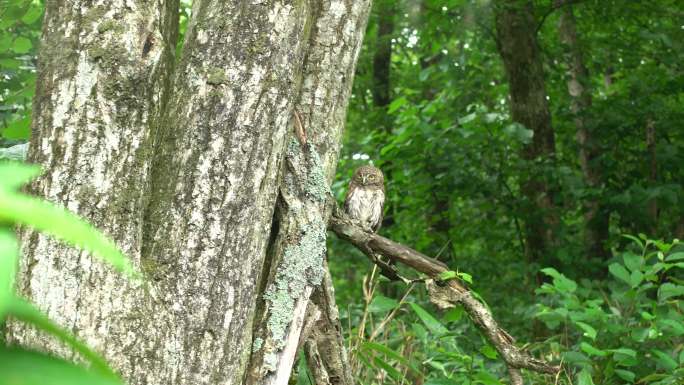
(366, 197)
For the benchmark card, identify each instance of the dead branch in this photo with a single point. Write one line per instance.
(449, 292)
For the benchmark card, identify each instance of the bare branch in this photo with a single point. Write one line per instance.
(451, 292)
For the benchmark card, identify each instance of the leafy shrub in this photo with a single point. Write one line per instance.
(627, 329)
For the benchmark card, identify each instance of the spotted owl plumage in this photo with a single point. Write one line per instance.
(365, 198)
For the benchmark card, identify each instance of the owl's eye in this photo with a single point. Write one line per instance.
(371, 177)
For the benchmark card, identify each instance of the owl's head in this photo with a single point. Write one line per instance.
(369, 176)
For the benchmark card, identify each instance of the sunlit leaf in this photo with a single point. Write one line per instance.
(43, 216)
(22, 367)
(26, 312)
(588, 330)
(9, 253)
(21, 45)
(14, 175)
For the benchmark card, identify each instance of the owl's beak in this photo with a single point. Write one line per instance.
(363, 179)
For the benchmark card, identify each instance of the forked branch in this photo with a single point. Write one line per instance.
(450, 292)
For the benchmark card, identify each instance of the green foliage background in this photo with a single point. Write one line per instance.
(451, 154)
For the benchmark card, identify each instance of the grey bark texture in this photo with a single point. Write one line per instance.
(296, 256)
(183, 168)
(102, 70)
(519, 49)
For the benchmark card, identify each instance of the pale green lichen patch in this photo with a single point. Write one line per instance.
(302, 266)
(110, 25)
(216, 76)
(293, 148)
(270, 361)
(256, 345)
(316, 183)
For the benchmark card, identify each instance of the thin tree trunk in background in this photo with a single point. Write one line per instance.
(382, 60)
(652, 204)
(518, 46)
(595, 217)
(100, 87)
(189, 192)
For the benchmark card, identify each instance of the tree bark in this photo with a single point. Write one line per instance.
(103, 67)
(296, 257)
(595, 216)
(519, 49)
(183, 169)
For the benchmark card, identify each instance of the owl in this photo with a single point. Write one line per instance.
(366, 197)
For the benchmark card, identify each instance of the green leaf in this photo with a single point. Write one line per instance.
(620, 272)
(625, 375)
(588, 330)
(419, 331)
(591, 350)
(396, 104)
(26, 312)
(303, 377)
(22, 367)
(33, 14)
(467, 119)
(635, 278)
(18, 129)
(447, 275)
(624, 356)
(664, 360)
(575, 358)
(489, 352)
(9, 254)
(382, 304)
(391, 354)
(14, 175)
(624, 351)
(668, 290)
(560, 281)
(21, 45)
(391, 371)
(635, 240)
(430, 322)
(454, 314)
(584, 378)
(43, 216)
(675, 256)
(676, 327)
(466, 277)
(487, 378)
(632, 261)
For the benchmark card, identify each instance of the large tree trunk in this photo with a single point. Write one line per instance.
(102, 73)
(190, 193)
(519, 49)
(595, 216)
